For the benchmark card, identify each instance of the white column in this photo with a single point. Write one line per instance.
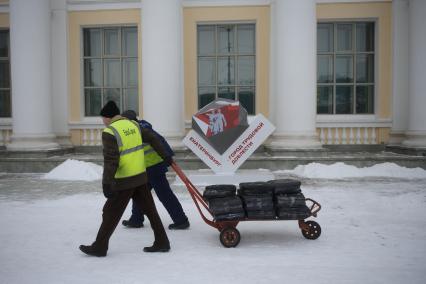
(162, 68)
(59, 40)
(272, 64)
(30, 70)
(400, 71)
(416, 134)
(295, 74)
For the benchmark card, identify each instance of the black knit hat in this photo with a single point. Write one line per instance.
(130, 114)
(110, 110)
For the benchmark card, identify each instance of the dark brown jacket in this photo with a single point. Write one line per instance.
(112, 158)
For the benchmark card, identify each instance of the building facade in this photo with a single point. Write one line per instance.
(323, 72)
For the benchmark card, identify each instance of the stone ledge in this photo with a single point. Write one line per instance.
(36, 154)
(257, 161)
(406, 150)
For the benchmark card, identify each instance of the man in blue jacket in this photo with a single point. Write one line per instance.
(156, 170)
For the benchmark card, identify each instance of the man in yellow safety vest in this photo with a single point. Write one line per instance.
(125, 177)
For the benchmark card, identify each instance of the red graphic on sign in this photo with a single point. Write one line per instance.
(215, 121)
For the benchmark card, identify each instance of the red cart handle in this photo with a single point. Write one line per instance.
(195, 194)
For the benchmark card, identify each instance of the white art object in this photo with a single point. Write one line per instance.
(237, 141)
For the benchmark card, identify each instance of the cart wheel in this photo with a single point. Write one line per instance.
(314, 230)
(230, 237)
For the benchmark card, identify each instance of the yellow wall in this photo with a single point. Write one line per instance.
(259, 15)
(75, 137)
(4, 20)
(382, 13)
(80, 19)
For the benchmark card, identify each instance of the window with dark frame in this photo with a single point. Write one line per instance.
(110, 68)
(5, 94)
(345, 68)
(226, 56)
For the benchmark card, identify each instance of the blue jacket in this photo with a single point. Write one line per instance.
(161, 167)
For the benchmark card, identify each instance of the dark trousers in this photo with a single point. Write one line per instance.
(161, 185)
(114, 208)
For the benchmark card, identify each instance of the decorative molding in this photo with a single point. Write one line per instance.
(5, 136)
(91, 5)
(188, 124)
(349, 1)
(4, 8)
(97, 2)
(85, 125)
(355, 121)
(218, 3)
(348, 135)
(5, 123)
(221, 3)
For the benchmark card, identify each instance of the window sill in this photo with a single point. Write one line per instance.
(6, 123)
(348, 120)
(94, 122)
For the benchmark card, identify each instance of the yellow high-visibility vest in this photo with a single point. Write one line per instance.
(129, 140)
(151, 156)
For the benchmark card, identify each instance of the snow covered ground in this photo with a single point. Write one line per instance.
(372, 232)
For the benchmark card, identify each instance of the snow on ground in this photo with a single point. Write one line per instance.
(372, 232)
(341, 170)
(75, 170)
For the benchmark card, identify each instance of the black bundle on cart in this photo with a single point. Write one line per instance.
(223, 202)
(290, 203)
(257, 199)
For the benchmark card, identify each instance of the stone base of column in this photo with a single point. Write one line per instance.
(33, 143)
(396, 137)
(278, 142)
(415, 139)
(175, 141)
(64, 140)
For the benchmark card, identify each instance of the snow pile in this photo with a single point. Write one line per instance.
(341, 170)
(75, 170)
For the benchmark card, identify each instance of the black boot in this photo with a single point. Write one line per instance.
(157, 248)
(179, 226)
(130, 224)
(89, 250)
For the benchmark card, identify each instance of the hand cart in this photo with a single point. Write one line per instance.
(229, 235)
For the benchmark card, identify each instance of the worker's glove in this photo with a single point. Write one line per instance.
(106, 188)
(168, 161)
